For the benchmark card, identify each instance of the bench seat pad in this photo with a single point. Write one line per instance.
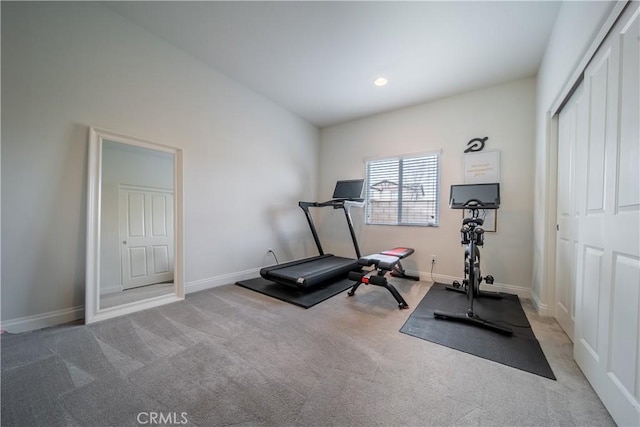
(399, 252)
(383, 262)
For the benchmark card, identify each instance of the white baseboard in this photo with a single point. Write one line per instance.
(110, 289)
(44, 320)
(521, 291)
(225, 279)
(542, 309)
(58, 317)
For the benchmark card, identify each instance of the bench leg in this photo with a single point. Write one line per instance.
(399, 271)
(353, 289)
(402, 304)
(380, 280)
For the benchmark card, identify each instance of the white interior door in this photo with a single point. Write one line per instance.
(571, 141)
(607, 326)
(146, 232)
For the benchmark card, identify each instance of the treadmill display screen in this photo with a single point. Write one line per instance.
(488, 195)
(348, 189)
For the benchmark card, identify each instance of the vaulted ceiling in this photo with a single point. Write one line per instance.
(320, 59)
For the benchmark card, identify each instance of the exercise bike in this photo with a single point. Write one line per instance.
(472, 235)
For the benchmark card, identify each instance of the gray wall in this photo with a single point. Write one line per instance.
(68, 66)
(504, 113)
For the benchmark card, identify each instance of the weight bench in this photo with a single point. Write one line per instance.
(386, 261)
(398, 270)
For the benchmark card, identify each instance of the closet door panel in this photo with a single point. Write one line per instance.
(607, 321)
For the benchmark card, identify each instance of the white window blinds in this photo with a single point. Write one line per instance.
(403, 190)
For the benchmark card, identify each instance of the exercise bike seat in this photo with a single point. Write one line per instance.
(379, 261)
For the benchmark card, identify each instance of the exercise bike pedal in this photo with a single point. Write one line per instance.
(457, 287)
(489, 279)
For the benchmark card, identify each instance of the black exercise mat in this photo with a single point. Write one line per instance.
(521, 351)
(303, 298)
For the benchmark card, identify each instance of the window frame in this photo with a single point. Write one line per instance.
(434, 187)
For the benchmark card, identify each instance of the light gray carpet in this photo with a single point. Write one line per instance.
(230, 356)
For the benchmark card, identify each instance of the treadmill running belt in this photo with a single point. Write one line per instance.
(302, 297)
(311, 272)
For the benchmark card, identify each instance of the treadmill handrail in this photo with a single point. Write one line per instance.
(336, 204)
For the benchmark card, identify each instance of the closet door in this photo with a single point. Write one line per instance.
(607, 325)
(571, 142)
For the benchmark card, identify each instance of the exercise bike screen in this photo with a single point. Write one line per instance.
(487, 194)
(348, 189)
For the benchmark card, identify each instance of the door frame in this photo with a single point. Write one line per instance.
(143, 189)
(546, 302)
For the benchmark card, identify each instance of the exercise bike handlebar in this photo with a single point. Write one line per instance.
(474, 221)
(473, 204)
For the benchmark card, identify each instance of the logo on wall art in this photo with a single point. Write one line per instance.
(476, 144)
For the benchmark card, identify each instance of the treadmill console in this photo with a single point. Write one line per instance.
(350, 189)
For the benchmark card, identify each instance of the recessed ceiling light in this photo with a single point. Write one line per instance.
(380, 81)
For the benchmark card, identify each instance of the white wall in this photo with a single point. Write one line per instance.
(576, 26)
(68, 66)
(505, 114)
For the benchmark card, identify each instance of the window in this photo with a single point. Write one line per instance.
(404, 190)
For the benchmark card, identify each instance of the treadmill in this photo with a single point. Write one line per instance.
(324, 268)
